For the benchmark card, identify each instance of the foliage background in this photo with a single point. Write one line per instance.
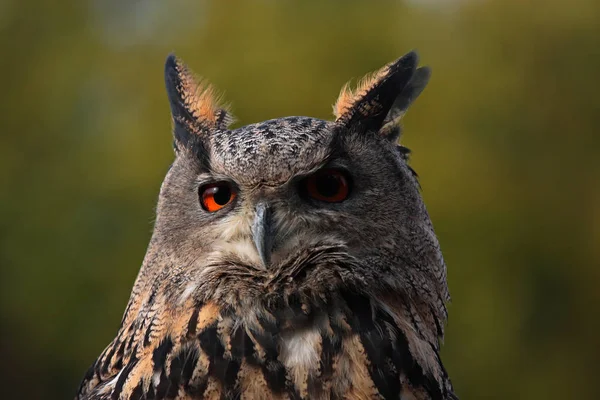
(505, 139)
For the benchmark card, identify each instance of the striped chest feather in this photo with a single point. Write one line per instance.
(355, 348)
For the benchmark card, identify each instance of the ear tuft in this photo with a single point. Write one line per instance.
(195, 104)
(366, 108)
(349, 97)
(391, 124)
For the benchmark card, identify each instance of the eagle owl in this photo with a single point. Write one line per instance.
(291, 259)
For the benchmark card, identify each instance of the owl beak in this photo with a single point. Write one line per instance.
(262, 232)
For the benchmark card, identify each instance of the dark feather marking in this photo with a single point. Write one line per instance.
(148, 333)
(138, 392)
(360, 315)
(98, 376)
(159, 355)
(191, 329)
(267, 342)
(273, 370)
(225, 370)
(163, 385)
(189, 364)
(330, 348)
(404, 361)
(385, 378)
(125, 313)
(339, 331)
(152, 296)
(120, 352)
(108, 358)
(123, 375)
(293, 313)
(274, 373)
(242, 346)
(376, 343)
(210, 343)
(269, 325)
(131, 338)
(151, 394)
(229, 374)
(174, 376)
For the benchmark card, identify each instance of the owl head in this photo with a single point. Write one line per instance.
(292, 255)
(297, 206)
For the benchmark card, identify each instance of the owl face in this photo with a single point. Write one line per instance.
(264, 196)
(260, 192)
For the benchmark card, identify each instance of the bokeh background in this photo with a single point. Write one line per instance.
(505, 140)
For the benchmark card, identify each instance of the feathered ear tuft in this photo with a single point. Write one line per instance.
(391, 124)
(379, 97)
(196, 108)
(349, 97)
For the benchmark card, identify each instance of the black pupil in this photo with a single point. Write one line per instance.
(221, 194)
(328, 185)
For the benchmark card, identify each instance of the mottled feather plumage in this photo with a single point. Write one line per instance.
(351, 302)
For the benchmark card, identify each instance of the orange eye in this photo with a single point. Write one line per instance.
(330, 185)
(215, 196)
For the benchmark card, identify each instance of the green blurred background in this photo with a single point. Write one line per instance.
(505, 141)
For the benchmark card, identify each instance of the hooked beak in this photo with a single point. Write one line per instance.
(262, 232)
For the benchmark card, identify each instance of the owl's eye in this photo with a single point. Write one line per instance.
(215, 196)
(329, 185)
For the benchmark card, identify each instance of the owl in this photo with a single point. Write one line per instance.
(290, 259)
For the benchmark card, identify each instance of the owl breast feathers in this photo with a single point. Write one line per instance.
(290, 259)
